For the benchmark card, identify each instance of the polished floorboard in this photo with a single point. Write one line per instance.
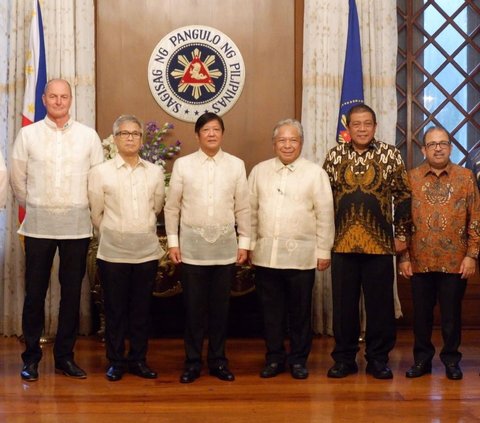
(357, 398)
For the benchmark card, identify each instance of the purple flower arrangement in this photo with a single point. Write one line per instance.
(154, 148)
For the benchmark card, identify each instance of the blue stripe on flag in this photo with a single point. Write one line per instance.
(40, 110)
(352, 85)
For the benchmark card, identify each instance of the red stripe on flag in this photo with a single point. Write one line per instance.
(26, 121)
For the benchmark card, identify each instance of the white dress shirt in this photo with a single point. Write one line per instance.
(207, 196)
(292, 214)
(49, 170)
(124, 203)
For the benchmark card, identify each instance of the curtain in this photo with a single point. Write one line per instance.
(70, 53)
(325, 32)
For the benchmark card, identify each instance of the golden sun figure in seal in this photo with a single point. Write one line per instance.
(196, 73)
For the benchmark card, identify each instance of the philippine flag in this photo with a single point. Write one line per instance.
(352, 86)
(35, 76)
(35, 70)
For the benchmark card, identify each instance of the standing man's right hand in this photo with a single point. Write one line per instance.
(405, 269)
(175, 255)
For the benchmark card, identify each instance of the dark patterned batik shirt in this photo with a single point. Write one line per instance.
(446, 218)
(366, 187)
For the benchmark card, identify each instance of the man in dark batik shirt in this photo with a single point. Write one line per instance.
(369, 180)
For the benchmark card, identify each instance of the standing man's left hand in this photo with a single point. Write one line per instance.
(467, 268)
(242, 256)
(323, 264)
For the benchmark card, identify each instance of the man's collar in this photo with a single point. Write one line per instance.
(426, 169)
(50, 123)
(291, 166)
(119, 162)
(204, 157)
(373, 145)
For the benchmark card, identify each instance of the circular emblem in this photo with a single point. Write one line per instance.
(196, 69)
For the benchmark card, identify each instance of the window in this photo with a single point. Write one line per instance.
(438, 74)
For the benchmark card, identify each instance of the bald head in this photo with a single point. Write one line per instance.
(57, 81)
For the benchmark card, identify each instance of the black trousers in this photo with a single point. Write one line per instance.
(374, 274)
(206, 296)
(127, 293)
(448, 289)
(286, 299)
(39, 255)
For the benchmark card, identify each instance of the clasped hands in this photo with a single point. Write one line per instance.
(467, 268)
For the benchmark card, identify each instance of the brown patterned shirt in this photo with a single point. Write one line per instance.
(365, 189)
(446, 218)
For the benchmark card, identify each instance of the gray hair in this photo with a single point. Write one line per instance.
(291, 122)
(126, 118)
(434, 128)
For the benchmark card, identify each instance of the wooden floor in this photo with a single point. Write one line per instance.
(357, 398)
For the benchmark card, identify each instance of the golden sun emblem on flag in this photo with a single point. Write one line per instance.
(196, 73)
(344, 135)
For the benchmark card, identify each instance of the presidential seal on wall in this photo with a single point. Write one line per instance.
(196, 69)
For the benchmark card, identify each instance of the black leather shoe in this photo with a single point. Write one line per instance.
(298, 371)
(453, 371)
(70, 369)
(340, 370)
(272, 370)
(379, 370)
(114, 373)
(29, 372)
(419, 369)
(139, 368)
(189, 375)
(222, 373)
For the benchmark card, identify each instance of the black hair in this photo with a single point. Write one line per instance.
(208, 117)
(359, 108)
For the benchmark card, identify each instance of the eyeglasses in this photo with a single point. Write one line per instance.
(434, 145)
(125, 135)
(283, 141)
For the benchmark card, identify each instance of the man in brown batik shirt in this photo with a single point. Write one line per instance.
(442, 252)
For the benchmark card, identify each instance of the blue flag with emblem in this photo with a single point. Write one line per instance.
(352, 86)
